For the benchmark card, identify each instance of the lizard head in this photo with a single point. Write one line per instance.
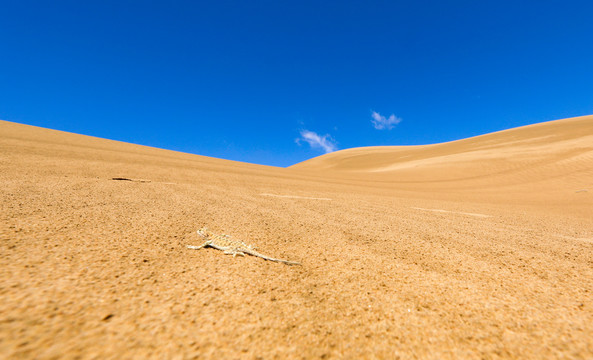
(203, 232)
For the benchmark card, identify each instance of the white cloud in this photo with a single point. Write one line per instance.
(316, 141)
(380, 122)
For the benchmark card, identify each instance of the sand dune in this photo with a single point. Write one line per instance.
(478, 248)
(509, 150)
(543, 163)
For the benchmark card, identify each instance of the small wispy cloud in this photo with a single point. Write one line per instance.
(381, 122)
(316, 141)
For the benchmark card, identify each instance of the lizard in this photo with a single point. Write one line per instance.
(231, 246)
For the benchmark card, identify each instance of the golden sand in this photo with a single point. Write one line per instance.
(478, 248)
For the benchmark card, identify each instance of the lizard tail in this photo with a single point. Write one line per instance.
(284, 261)
(292, 263)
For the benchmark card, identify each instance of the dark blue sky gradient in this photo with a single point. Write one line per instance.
(240, 79)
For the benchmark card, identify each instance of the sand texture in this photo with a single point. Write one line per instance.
(479, 248)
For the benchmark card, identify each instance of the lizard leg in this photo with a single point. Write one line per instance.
(201, 246)
(234, 253)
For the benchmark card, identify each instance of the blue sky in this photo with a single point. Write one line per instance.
(278, 82)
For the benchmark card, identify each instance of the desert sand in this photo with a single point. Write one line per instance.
(477, 248)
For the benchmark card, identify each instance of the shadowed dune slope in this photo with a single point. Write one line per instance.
(560, 150)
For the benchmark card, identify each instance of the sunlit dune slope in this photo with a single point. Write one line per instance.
(475, 249)
(534, 153)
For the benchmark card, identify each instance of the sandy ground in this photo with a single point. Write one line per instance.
(481, 248)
